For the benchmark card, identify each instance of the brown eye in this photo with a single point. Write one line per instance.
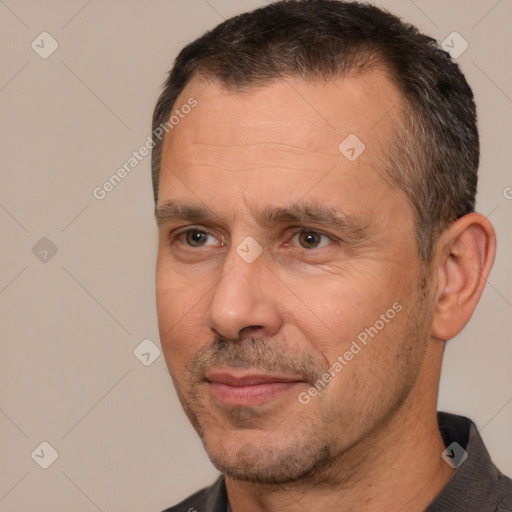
(310, 239)
(196, 238)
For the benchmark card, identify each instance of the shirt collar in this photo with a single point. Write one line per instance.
(474, 484)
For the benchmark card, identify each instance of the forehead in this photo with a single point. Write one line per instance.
(276, 141)
(315, 115)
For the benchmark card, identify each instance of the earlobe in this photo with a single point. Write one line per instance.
(465, 254)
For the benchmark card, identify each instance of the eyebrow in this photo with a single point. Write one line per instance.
(300, 213)
(176, 210)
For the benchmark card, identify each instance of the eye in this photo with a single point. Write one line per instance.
(199, 238)
(309, 239)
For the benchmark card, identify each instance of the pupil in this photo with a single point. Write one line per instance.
(195, 237)
(310, 239)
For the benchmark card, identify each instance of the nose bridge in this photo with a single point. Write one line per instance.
(241, 298)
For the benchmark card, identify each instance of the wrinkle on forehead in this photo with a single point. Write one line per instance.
(248, 157)
(290, 113)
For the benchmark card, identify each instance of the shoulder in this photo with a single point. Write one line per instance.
(504, 493)
(477, 484)
(210, 499)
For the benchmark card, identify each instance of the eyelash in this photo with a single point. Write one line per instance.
(302, 230)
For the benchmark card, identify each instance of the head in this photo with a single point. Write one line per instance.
(316, 230)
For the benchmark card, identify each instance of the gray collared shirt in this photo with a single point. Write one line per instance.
(476, 486)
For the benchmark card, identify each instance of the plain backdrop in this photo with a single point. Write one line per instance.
(77, 273)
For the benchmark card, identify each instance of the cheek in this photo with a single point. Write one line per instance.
(181, 316)
(333, 312)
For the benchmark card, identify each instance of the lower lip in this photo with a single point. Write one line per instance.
(255, 394)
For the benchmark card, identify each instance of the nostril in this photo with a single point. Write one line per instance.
(249, 330)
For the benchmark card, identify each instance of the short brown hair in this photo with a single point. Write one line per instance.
(434, 155)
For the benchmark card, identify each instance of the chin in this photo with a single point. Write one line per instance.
(267, 464)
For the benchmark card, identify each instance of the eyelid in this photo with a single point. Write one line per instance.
(174, 235)
(302, 229)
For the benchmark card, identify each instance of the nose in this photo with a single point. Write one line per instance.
(245, 300)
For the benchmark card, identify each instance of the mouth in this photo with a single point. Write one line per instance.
(249, 389)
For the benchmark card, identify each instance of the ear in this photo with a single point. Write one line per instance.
(464, 255)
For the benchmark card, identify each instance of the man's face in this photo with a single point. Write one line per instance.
(281, 255)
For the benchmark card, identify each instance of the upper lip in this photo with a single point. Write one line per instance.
(249, 379)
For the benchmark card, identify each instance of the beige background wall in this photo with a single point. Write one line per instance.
(71, 321)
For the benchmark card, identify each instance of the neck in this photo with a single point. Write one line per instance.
(399, 466)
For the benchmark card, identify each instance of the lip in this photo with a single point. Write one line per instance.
(249, 389)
